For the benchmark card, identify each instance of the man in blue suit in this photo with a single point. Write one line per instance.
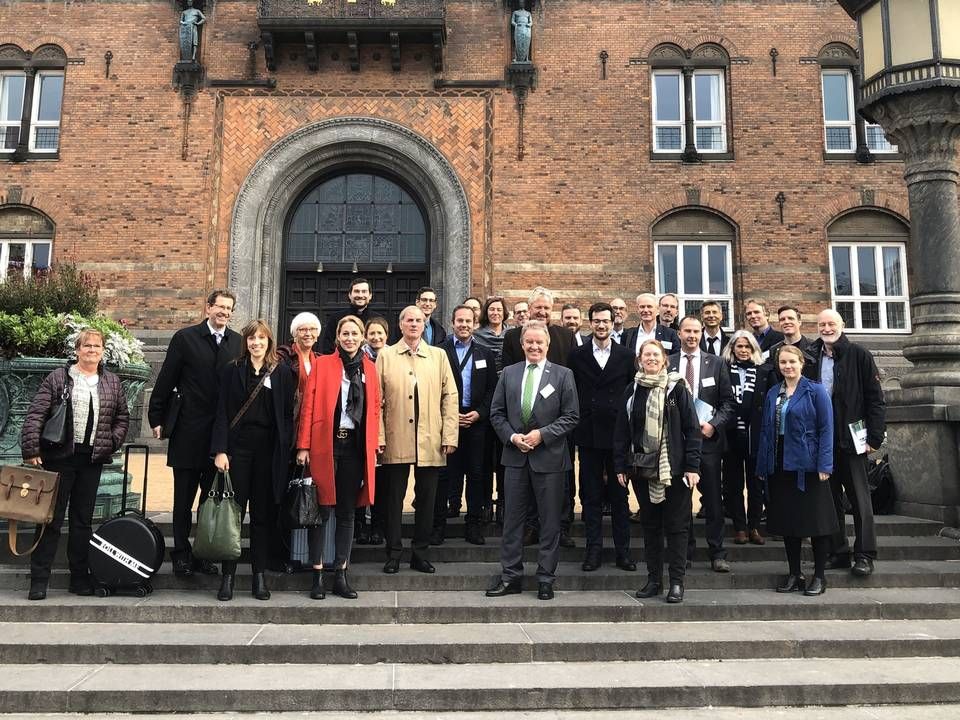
(534, 408)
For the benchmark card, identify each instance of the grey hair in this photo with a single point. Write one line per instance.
(755, 356)
(535, 325)
(540, 291)
(304, 318)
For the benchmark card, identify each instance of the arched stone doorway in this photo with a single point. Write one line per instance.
(287, 171)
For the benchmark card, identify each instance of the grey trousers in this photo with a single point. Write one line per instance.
(850, 474)
(522, 489)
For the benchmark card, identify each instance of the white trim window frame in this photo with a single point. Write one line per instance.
(692, 298)
(38, 125)
(679, 123)
(877, 141)
(10, 117)
(717, 109)
(29, 252)
(834, 126)
(890, 297)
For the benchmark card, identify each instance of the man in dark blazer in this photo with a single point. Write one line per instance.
(561, 339)
(602, 370)
(359, 295)
(714, 339)
(709, 379)
(650, 328)
(183, 406)
(755, 313)
(534, 408)
(475, 370)
(789, 318)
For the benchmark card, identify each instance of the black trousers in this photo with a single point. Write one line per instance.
(821, 548)
(465, 462)
(186, 482)
(850, 474)
(79, 480)
(347, 475)
(251, 472)
(739, 469)
(711, 497)
(670, 520)
(598, 481)
(425, 494)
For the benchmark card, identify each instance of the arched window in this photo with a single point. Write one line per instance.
(31, 95)
(868, 271)
(694, 250)
(26, 241)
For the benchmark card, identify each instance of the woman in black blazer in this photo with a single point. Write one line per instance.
(254, 445)
(657, 417)
(750, 378)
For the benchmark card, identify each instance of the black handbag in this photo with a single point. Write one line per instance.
(646, 466)
(173, 414)
(301, 509)
(56, 430)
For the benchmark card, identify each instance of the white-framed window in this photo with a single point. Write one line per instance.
(877, 139)
(28, 258)
(44, 112)
(11, 109)
(839, 116)
(695, 272)
(869, 286)
(669, 116)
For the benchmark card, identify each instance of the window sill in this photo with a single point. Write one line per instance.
(29, 157)
(702, 157)
(849, 157)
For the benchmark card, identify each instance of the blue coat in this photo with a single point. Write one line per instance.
(807, 435)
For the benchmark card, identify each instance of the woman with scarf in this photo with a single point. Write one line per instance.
(751, 379)
(795, 459)
(339, 423)
(657, 444)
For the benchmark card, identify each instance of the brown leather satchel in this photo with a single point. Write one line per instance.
(27, 493)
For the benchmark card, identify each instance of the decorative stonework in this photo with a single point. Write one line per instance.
(292, 164)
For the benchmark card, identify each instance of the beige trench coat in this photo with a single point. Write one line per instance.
(428, 370)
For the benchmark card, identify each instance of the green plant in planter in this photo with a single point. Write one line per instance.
(64, 289)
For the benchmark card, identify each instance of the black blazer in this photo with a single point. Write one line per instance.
(192, 366)
(667, 336)
(716, 390)
(483, 380)
(724, 339)
(599, 392)
(233, 394)
(561, 340)
(327, 343)
(769, 340)
(810, 360)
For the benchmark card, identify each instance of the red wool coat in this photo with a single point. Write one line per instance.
(316, 426)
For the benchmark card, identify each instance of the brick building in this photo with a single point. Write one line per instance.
(707, 147)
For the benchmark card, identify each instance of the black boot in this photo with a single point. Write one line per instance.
(341, 587)
(317, 591)
(259, 589)
(38, 590)
(226, 587)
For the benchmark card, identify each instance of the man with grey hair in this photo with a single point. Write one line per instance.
(649, 328)
(561, 339)
(851, 378)
(534, 408)
(668, 307)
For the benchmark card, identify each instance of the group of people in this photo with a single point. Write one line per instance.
(484, 404)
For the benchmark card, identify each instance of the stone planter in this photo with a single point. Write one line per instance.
(19, 380)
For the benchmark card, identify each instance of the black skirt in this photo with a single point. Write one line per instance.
(792, 512)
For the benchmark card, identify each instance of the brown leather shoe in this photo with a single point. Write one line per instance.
(740, 537)
(756, 538)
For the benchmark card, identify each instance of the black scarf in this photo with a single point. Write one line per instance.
(743, 392)
(353, 367)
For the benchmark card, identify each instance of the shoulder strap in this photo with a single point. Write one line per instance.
(250, 399)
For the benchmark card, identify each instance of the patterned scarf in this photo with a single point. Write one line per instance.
(653, 437)
(744, 376)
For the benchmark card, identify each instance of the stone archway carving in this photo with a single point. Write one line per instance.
(292, 164)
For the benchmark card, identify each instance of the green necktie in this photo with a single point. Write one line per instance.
(526, 407)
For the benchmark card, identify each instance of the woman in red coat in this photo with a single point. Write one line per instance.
(339, 422)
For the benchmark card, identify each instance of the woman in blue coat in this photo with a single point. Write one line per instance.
(795, 459)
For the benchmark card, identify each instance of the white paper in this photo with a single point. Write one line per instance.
(480, 364)
(708, 382)
(667, 345)
(858, 431)
(764, 356)
(547, 391)
(363, 377)
(705, 411)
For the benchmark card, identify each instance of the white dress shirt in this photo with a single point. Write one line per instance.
(346, 422)
(601, 355)
(537, 375)
(682, 369)
(643, 336)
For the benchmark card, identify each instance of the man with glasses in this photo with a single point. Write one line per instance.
(433, 331)
(182, 407)
(360, 295)
(619, 306)
(669, 308)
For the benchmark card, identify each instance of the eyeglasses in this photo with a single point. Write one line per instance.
(306, 330)
(225, 308)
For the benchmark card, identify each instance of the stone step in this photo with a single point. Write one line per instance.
(285, 607)
(64, 643)
(477, 686)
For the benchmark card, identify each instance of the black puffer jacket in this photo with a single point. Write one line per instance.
(112, 421)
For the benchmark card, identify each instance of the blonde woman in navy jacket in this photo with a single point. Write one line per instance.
(795, 458)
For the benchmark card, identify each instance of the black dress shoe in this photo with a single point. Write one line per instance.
(436, 536)
(676, 594)
(420, 565)
(38, 590)
(392, 566)
(182, 568)
(627, 563)
(545, 591)
(317, 590)
(792, 583)
(838, 562)
(205, 567)
(530, 537)
(453, 511)
(473, 534)
(502, 588)
(81, 586)
(566, 541)
(341, 587)
(652, 589)
(225, 592)
(376, 538)
(259, 589)
(862, 567)
(817, 586)
(590, 563)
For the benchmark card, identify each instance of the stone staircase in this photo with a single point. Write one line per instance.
(434, 643)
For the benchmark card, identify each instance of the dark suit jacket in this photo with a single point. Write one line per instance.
(561, 340)
(192, 366)
(667, 336)
(555, 416)
(584, 339)
(599, 393)
(439, 334)
(716, 391)
(483, 380)
(327, 343)
(810, 360)
(770, 339)
(724, 339)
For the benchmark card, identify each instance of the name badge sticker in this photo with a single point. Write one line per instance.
(546, 392)
(708, 382)
(363, 377)
(765, 355)
(266, 383)
(480, 364)
(667, 345)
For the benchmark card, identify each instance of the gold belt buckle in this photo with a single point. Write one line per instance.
(342, 434)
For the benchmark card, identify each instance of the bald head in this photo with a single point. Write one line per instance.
(830, 326)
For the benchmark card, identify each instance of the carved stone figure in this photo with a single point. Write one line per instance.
(522, 23)
(190, 20)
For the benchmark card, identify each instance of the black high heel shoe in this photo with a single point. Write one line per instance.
(792, 583)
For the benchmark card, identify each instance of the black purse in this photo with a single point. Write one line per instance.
(646, 466)
(300, 506)
(56, 430)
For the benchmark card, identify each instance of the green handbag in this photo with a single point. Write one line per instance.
(218, 525)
